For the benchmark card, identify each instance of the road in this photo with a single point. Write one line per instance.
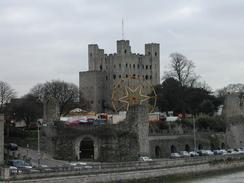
(42, 158)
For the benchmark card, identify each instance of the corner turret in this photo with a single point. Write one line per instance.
(123, 47)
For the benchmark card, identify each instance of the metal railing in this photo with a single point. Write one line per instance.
(119, 166)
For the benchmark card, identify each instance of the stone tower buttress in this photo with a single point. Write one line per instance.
(123, 47)
(152, 50)
(96, 58)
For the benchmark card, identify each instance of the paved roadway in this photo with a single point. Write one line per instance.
(43, 158)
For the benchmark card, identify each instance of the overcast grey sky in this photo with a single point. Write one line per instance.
(41, 40)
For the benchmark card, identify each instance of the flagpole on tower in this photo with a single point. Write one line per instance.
(123, 33)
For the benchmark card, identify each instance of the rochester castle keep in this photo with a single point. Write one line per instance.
(96, 85)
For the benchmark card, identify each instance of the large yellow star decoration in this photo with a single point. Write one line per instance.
(133, 97)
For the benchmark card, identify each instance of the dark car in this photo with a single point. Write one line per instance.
(20, 165)
(11, 146)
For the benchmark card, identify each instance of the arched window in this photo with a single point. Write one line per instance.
(223, 145)
(157, 152)
(87, 148)
(200, 147)
(173, 149)
(187, 148)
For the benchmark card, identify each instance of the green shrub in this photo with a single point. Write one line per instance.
(216, 124)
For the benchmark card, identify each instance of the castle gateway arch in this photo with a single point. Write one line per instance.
(86, 147)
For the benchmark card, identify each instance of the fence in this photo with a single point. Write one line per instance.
(97, 168)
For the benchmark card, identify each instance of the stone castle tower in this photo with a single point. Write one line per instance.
(96, 85)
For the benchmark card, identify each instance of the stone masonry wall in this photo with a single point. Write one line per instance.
(121, 142)
(233, 112)
(92, 88)
(235, 132)
(233, 105)
(137, 117)
(51, 111)
(110, 143)
(163, 144)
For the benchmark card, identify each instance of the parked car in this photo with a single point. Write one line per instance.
(205, 153)
(20, 165)
(232, 151)
(223, 151)
(209, 152)
(77, 165)
(239, 151)
(217, 152)
(44, 168)
(175, 155)
(11, 146)
(145, 158)
(14, 170)
(193, 153)
(184, 154)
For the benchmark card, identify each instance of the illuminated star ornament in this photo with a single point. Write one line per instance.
(133, 97)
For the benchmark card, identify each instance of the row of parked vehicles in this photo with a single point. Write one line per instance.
(207, 152)
(18, 166)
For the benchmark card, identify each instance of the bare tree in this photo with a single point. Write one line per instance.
(6, 94)
(203, 85)
(231, 88)
(38, 92)
(61, 92)
(182, 70)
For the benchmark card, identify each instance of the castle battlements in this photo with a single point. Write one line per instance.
(114, 66)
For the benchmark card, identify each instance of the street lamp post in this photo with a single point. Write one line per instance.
(194, 133)
(38, 138)
(38, 142)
